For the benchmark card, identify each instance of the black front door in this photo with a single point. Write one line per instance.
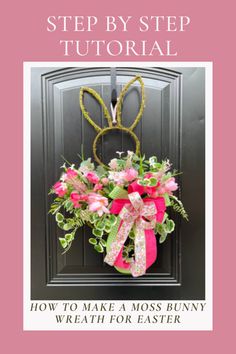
(172, 126)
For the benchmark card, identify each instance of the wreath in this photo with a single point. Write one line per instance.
(125, 203)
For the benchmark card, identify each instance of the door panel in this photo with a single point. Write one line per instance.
(172, 126)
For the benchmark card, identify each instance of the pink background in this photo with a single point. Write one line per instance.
(24, 38)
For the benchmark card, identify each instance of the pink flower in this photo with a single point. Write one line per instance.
(130, 174)
(70, 173)
(98, 203)
(76, 198)
(169, 186)
(92, 177)
(84, 197)
(121, 177)
(105, 181)
(97, 187)
(60, 189)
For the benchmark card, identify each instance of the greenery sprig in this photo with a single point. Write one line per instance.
(178, 207)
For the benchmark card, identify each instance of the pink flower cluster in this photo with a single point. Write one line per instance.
(94, 179)
(123, 177)
(76, 198)
(85, 187)
(96, 202)
(168, 186)
(70, 173)
(60, 189)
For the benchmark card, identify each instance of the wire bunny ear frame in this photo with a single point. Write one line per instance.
(111, 126)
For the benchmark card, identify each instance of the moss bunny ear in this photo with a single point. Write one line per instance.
(100, 100)
(120, 102)
(118, 126)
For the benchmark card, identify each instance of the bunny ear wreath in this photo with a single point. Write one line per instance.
(111, 126)
(125, 205)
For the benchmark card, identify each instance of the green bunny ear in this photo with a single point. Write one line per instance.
(119, 127)
(100, 100)
(120, 102)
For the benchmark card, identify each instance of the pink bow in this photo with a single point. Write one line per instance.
(142, 215)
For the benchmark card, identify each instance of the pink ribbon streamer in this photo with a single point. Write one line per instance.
(141, 214)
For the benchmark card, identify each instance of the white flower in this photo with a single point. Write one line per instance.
(130, 153)
(120, 153)
(64, 165)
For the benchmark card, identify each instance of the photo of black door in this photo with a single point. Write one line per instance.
(172, 126)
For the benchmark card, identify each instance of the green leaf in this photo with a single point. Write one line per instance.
(69, 237)
(111, 186)
(144, 182)
(112, 219)
(167, 176)
(100, 171)
(170, 225)
(92, 240)
(87, 163)
(100, 225)
(57, 199)
(97, 233)
(125, 254)
(59, 217)
(94, 218)
(61, 225)
(167, 199)
(106, 190)
(165, 217)
(152, 182)
(156, 166)
(63, 242)
(162, 238)
(68, 205)
(130, 247)
(107, 222)
(99, 248)
(159, 228)
(102, 242)
(77, 212)
(108, 228)
(67, 227)
(131, 235)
